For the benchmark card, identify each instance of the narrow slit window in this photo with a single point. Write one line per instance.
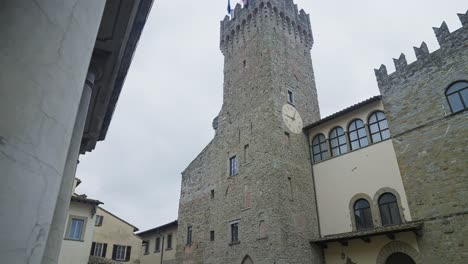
(290, 97)
(233, 166)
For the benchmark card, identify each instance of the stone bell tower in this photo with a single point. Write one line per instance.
(249, 195)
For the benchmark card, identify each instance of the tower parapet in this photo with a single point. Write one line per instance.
(262, 15)
(446, 40)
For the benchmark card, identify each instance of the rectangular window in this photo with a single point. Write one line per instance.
(246, 153)
(99, 220)
(212, 235)
(169, 241)
(75, 231)
(99, 250)
(157, 244)
(120, 252)
(146, 245)
(290, 97)
(235, 233)
(233, 166)
(212, 194)
(189, 235)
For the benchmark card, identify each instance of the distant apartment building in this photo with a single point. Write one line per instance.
(159, 244)
(79, 229)
(115, 239)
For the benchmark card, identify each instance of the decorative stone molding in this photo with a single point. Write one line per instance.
(398, 247)
(376, 203)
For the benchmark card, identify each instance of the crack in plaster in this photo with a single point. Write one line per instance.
(70, 21)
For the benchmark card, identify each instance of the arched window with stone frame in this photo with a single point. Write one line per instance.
(457, 96)
(357, 134)
(338, 144)
(363, 214)
(389, 209)
(378, 127)
(319, 148)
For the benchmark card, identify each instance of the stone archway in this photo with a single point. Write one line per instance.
(247, 260)
(399, 258)
(398, 250)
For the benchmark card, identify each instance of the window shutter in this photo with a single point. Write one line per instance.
(93, 246)
(101, 219)
(104, 251)
(114, 252)
(129, 250)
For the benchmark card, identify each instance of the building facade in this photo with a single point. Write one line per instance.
(367, 211)
(426, 104)
(159, 244)
(115, 239)
(381, 182)
(62, 68)
(79, 229)
(249, 195)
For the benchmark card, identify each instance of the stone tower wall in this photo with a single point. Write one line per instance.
(431, 143)
(267, 51)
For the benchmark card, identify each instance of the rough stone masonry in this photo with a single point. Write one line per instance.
(267, 53)
(431, 143)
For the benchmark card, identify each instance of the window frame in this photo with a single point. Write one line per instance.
(290, 96)
(99, 247)
(169, 242)
(365, 214)
(234, 228)
(457, 92)
(70, 225)
(323, 153)
(118, 252)
(387, 206)
(212, 235)
(378, 123)
(146, 247)
(338, 137)
(189, 235)
(157, 244)
(359, 139)
(233, 166)
(99, 220)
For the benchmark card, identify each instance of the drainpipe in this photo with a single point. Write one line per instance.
(162, 248)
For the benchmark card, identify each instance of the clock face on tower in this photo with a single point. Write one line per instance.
(292, 119)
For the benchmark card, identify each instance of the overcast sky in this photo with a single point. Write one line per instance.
(174, 89)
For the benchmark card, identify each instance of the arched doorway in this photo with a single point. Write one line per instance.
(399, 258)
(247, 260)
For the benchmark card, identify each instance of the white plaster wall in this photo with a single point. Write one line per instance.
(44, 55)
(366, 170)
(361, 252)
(77, 252)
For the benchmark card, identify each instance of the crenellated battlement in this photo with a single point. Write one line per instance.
(261, 15)
(445, 39)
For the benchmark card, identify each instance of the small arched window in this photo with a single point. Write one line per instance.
(319, 148)
(378, 127)
(363, 214)
(389, 211)
(338, 144)
(357, 134)
(457, 96)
